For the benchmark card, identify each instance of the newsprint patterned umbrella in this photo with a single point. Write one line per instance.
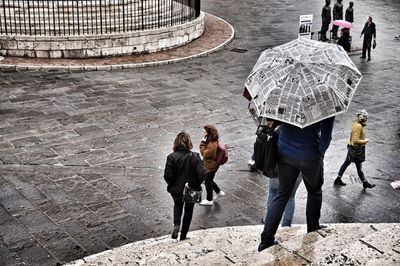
(303, 82)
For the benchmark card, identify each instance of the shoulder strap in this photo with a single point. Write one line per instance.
(188, 177)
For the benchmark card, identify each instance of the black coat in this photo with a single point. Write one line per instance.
(181, 167)
(266, 150)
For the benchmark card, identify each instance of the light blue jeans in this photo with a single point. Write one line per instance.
(273, 184)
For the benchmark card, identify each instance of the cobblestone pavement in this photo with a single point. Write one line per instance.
(82, 153)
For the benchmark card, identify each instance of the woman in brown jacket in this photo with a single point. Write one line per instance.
(357, 138)
(208, 149)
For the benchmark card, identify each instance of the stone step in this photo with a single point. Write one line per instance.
(337, 245)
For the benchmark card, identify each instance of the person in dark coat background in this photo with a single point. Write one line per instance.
(326, 19)
(369, 32)
(337, 15)
(344, 39)
(183, 166)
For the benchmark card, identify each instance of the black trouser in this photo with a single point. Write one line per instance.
(324, 29)
(211, 185)
(179, 205)
(367, 46)
(335, 30)
(289, 169)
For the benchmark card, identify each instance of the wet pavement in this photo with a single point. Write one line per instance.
(82, 153)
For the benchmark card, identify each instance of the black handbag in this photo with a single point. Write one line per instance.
(356, 153)
(190, 195)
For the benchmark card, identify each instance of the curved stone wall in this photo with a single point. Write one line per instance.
(96, 28)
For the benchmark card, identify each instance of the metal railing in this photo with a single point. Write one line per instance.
(88, 17)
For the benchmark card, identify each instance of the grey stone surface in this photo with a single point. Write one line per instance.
(235, 245)
(82, 153)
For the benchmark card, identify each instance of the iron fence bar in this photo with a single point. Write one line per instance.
(49, 17)
(77, 17)
(42, 17)
(1, 23)
(9, 16)
(19, 18)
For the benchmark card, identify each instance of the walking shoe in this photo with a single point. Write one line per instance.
(175, 231)
(252, 162)
(367, 184)
(263, 245)
(183, 238)
(205, 202)
(339, 182)
(219, 195)
(362, 57)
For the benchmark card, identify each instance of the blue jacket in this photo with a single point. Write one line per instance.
(308, 143)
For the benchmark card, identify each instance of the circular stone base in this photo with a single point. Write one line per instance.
(217, 34)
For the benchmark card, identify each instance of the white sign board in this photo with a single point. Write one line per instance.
(305, 26)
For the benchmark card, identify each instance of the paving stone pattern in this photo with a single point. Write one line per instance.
(82, 153)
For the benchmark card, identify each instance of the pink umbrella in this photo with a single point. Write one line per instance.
(342, 23)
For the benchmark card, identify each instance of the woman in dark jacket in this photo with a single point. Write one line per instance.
(183, 166)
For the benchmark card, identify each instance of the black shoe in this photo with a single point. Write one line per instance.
(175, 232)
(363, 57)
(369, 59)
(263, 246)
(367, 184)
(183, 238)
(339, 182)
(319, 227)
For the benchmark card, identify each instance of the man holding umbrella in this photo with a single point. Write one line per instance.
(304, 84)
(300, 151)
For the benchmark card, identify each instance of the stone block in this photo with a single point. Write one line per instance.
(16, 53)
(25, 44)
(9, 44)
(56, 54)
(41, 45)
(29, 53)
(163, 43)
(57, 45)
(93, 52)
(74, 53)
(151, 47)
(42, 54)
(103, 43)
(74, 45)
(111, 51)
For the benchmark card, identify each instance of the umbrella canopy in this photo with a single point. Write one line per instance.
(303, 82)
(343, 23)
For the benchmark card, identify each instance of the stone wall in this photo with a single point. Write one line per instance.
(84, 29)
(100, 45)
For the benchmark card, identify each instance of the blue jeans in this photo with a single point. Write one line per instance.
(358, 166)
(289, 170)
(273, 184)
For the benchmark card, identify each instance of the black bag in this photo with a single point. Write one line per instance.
(356, 153)
(190, 195)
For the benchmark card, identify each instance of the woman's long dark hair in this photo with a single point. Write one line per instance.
(212, 133)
